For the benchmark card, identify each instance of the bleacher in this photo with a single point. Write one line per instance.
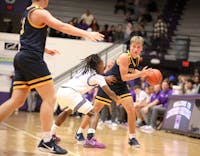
(102, 10)
(189, 28)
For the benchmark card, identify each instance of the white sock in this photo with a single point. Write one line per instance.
(80, 130)
(53, 128)
(132, 136)
(139, 120)
(47, 136)
(91, 130)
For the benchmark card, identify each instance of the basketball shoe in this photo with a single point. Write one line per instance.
(56, 138)
(51, 147)
(93, 143)
(133, 142)
(79, 137)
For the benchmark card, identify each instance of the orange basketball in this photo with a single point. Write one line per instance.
(154, 77)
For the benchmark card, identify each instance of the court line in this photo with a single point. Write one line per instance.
(31, 135)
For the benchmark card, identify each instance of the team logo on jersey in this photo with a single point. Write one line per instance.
(11, 46)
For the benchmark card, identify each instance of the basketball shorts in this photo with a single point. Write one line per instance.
(120, 89)
(68, 97)
(29, 72)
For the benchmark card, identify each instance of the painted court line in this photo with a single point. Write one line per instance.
(32, 136)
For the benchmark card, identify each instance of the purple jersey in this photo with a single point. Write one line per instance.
(154, 96)
(163, 97)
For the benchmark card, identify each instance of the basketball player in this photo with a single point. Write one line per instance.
(31, 71)
(124, 69)
(70, 94)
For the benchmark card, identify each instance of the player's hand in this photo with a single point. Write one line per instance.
(145, 71)
(110, 79)
(51, 52)
(95, 36)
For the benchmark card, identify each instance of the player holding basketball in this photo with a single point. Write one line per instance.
(70, 94)
(124, 69)
(31, 71)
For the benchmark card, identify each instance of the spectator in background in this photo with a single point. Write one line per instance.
(141, 100)
(88, 17)
(83, 25)
(130, 16)
(111, 34)
(137, 31)
(196, 71)
(129, 29)
(197, 84)
(74, 21)
(143, 83)
(119, 34)
(94, 25)
(157, 107)
(189, 87)
(105, 32)
(120, 5)
(160, 37)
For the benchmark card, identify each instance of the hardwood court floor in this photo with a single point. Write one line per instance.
(20, 133)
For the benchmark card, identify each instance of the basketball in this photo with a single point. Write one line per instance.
(154, 77)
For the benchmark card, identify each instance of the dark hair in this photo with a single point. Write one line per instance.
(91, 62)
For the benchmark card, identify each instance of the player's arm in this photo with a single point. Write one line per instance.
(51, 51)
(42, 16)
(123, 62)
(111, 94)
(100, 81)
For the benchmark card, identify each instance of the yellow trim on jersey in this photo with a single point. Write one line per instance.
(40, 84)
(40, 79)
(125, 95)
(20, 87)
(102, 102)
(132, 61)
(104, 99)
(33, 25)
(19, 82)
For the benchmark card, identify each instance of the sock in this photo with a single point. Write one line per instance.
(90, 133)
(79, 130)
(132, 136)
(47, 136)
(139, 120)
(53, 128)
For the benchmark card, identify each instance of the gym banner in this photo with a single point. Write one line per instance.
(182, 115)
(8, 50)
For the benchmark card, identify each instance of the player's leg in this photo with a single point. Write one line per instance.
(87, 120)
(129, 107)
(59, 120)
(91, 142)
(17, 99)
(47, 93)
